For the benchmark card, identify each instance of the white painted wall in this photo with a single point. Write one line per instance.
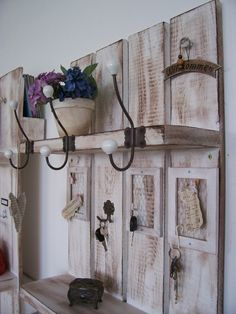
(40, 35)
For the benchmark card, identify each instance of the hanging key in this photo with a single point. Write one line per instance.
(133, 224)
(104, 232)
(100, 237)
(175, 268)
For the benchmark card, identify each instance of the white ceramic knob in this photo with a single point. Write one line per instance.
(109, 146)
(45, 151)
(8, 153)
(13, 104)
(113, 67)
(48, 91)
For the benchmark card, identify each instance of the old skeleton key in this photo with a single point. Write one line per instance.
(175, 268)
(100, 237)
(104, 232)
(133, 224)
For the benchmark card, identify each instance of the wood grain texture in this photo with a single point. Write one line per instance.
(145, 274)
(49, 296)
(195, 96)
(157, 137)
(79, 230)
(11, 88)
(8, 281)
(145, 254)
(109, 115)
(6, 224)
(84, 61)
(197, 284)
(205, 239)
(221, 242)
(7, 304)
(146, 85)
(198, 280)
(108, 186)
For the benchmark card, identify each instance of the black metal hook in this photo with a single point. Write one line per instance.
(66, 140)
(134, 137)
(29, 145)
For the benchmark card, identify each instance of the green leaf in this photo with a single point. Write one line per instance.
(92, 82)
(64, 71)
(89, 69)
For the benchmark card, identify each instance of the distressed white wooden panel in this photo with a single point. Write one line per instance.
(143, 273)
(109, 115)
(206, 158)
(7, 302)
(84, 61)
(11, 88)
(195, 96)
(79, 229)
(108, 186)
(144, 187)
(204, 240)
(197, 284)
(198, 279)
(146, 84)
(6, 224)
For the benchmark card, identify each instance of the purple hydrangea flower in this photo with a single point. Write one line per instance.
(35, 92)
(75, 84)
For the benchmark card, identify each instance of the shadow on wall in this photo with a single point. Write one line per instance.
(31, 221)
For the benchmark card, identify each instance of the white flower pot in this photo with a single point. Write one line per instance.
(75, 115)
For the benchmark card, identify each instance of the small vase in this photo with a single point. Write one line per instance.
(75, 115)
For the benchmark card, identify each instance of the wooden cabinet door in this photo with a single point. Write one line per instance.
(145, 247)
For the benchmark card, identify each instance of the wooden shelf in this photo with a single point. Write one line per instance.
(49, 296)
(7, 281)
(157, 137)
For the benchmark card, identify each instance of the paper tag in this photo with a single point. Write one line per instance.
(193, 213)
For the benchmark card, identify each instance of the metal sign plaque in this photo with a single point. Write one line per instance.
(4, 201)
(200, 66)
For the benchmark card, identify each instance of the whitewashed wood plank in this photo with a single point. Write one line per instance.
(197, 284)
(146, 84)
(79, 230)
(7, 305)
(11, 88)
(145, 255)
(35, 303)
(84, 61)
(157, 137)
(145, 274)
(109, 115)
(6, 224)
(108, 186)
(195, 158)
(195, 96)
(198, 280)
(205, 239)
(49, 296)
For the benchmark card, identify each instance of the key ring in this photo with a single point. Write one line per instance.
(174, 253)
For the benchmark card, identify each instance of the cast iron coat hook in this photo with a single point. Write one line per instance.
(29, 144)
